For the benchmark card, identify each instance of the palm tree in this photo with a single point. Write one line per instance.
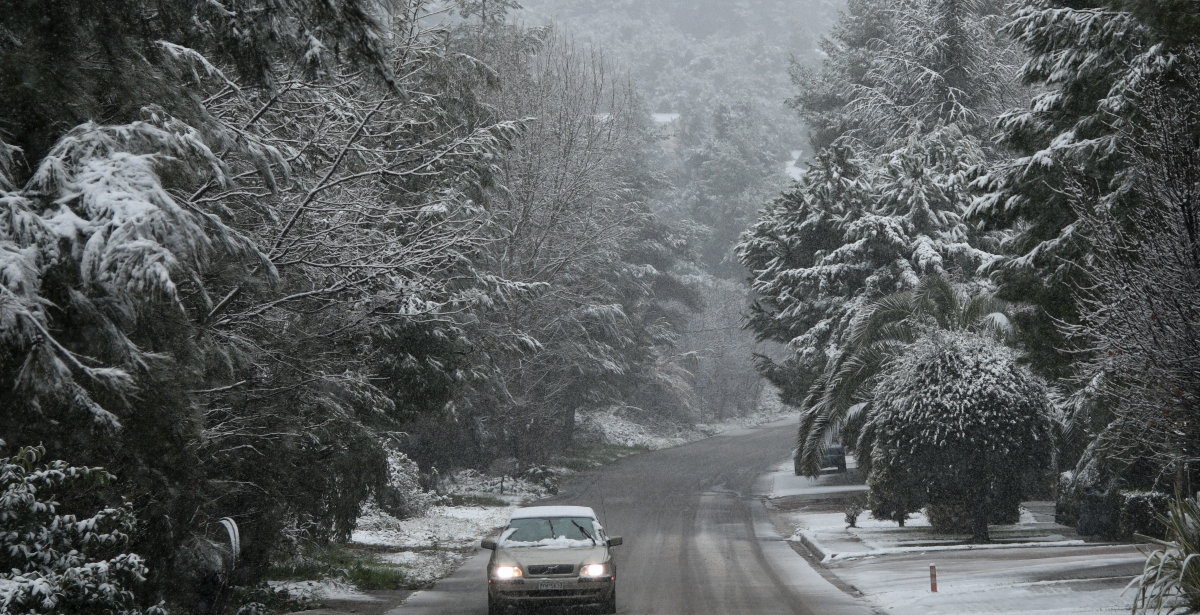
(838, 402)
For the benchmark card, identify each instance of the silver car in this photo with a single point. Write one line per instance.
(552, 555)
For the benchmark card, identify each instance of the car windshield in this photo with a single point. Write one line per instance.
(540, 530)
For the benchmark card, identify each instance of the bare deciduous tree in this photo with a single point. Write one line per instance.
(1140, 311)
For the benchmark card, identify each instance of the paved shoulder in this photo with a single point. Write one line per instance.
(464, 592)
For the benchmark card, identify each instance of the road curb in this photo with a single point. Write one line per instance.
(813, 547)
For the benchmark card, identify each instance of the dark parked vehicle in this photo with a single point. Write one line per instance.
(835, 457)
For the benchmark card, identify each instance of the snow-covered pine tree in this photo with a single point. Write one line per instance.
(958, 424)
(897, 67)
(909, 85)
(801, 302)
(851, 231)
(1091, 61)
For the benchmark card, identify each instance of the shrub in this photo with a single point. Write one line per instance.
(950, 519)
(852, 512)
(954, 519)
(1142, 512)
(891, 500)
(958, 423)
(1068, 502)
(1171, 576)
(57, 563)
(403, 496)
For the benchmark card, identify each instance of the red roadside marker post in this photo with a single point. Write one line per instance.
(933, 578)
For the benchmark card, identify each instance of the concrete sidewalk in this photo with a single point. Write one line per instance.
(1035, 566)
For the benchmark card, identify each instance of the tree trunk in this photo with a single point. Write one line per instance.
(568, 429)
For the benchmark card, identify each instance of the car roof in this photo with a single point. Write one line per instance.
(536, 512)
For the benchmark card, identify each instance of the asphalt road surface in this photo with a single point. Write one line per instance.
(697, 539)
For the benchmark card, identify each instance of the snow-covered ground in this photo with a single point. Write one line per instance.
(1040, 580)
(1041, 568)
(431, 546)
(614, 426)
(316, 591)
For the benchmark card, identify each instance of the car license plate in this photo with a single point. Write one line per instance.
(550, 585)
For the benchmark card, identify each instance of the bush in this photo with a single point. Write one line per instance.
(1170, 579)
(957, 423)
(958, 519)
(950, 519)
(403, 497)
(57, 563)
(852, 512)
(1142, 513)
(1068, 502)
(888, 500)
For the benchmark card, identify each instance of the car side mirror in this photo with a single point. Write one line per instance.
(615, 541)
(488, 543)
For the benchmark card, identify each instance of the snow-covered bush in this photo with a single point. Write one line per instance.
(1142, 513)
(1170, 579)
(957, 423)
(853, 510)
(1068, 500)
(52, 562)
(403, 496)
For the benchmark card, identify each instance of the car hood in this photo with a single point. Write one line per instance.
(529, 556)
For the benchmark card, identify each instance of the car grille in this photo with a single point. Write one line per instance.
(543, 569)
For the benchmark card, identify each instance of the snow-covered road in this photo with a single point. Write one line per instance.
(697, 539)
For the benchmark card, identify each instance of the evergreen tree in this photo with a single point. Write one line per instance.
(1091, 60)
(851, 231)
(957, 424)
(838, 403)
(894, 68)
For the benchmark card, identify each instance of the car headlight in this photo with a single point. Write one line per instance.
(507, 572)
(594, 570)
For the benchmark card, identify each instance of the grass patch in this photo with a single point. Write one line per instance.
(596, 455)
(476, 500)
(362, 568)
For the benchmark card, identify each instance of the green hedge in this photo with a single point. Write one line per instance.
(1140, 511)
(1115, 514)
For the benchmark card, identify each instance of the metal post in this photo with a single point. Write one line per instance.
(933, 578)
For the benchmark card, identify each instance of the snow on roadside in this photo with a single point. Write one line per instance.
(614, 426)
(1078, 581)
(513, 490)
(315, 591)
(453, 527)
(1042, 569)
(431, 546)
